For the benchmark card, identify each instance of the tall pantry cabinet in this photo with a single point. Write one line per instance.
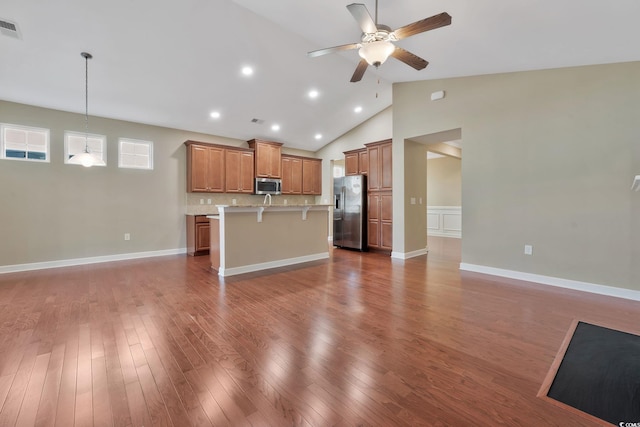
(380, 196)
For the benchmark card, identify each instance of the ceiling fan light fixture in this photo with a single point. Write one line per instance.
(376, 53)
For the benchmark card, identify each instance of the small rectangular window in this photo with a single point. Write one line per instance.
(135, 154)
(75, 143)
(24, 143)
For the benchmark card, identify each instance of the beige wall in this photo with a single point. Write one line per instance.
(444, 182)
(415, 185)
(549, 158)
(52, 211)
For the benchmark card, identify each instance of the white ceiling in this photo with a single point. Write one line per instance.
(171, 63)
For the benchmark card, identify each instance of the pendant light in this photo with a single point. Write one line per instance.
(85, 158)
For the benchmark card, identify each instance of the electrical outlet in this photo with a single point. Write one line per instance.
(285, 201)
(233, 201)
(202, 201)
(413, 200)
(528, 250)
(127, 236)
(208, 201)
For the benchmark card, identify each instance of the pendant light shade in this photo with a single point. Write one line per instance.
(85, 158)
(375, 53)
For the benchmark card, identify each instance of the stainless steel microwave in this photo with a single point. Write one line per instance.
(268, 186)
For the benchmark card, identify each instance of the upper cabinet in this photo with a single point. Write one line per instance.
(379, 159)
(356, 162)
(301, 175)
(205, 168)
(267, 158)
(239, 171)
(311, 176)
(291, 175)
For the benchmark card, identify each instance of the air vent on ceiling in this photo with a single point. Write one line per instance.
(257, 121)
(9, 28)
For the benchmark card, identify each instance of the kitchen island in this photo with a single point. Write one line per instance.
(256, 237)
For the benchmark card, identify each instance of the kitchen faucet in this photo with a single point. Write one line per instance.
(268, 196)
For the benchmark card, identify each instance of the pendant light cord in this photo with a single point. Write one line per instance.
(86, 56)
(86, 97)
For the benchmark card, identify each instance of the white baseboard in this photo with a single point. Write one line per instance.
(554, 281)
(412, 254)
(225, 272)
(90, 260)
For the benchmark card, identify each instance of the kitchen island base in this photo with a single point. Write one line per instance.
(255, 238)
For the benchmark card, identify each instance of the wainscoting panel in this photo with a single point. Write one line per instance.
(444, 221)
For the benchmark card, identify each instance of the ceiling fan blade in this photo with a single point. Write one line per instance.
(409, 58)
(362, 16)
(436, 21)
(320, 52)
(360, 69)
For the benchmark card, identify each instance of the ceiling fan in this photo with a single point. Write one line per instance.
(376, 45)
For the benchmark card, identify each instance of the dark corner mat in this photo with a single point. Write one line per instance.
(600, 374)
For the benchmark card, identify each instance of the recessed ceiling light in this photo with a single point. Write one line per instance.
(215, 115)
(247, 71)
(358, 109)
(313, 93)
(275, 127)
(318, 136)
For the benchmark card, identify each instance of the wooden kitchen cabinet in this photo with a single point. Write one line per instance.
(205, 168)
(239, 166)
(380, 220)
(311, 176)
(356, 162)
(379, 176)
(291, 174)
(198, 235)
(268, 163)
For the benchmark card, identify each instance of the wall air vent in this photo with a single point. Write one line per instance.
(9, 28)
(257, 121)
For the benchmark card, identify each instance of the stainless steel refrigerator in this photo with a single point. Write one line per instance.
(350, 212)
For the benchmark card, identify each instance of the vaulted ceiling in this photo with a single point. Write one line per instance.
(173, 63)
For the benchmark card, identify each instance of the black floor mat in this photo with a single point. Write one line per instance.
(600, 374)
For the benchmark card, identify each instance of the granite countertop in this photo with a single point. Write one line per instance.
(213, 210)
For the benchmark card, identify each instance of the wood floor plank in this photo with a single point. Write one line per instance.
(12, 403)
(46, 414)
(358, 339)
(29, 407)
(102, 415)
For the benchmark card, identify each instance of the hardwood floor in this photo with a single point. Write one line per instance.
(360, 339)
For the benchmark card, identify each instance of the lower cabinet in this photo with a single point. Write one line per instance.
(380, 217)
(198, 235)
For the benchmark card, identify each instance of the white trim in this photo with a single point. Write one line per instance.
(554, 281)
(90, 260)
(444, 221)
(225, 272)
(412, 254)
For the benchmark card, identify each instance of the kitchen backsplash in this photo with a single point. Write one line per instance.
(198, 203)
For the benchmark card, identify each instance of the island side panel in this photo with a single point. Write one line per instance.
(280, 236)
(214, 248)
